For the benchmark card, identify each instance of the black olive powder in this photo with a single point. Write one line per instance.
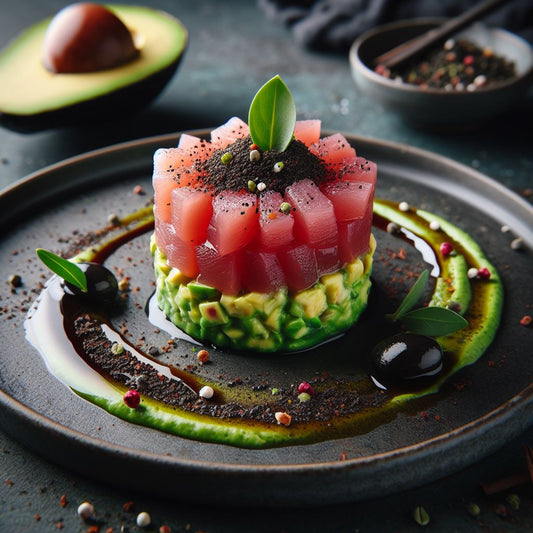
(233, 172)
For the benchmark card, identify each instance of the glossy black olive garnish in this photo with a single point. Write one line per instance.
(102, 285)
(404, 360)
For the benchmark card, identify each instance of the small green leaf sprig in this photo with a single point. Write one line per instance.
(272, 116)
(431, 321)
(65, 269)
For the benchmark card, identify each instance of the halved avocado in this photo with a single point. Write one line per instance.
(32, 98)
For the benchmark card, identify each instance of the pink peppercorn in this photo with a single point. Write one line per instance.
(446, 248)
(483, 273)
(306, 387)
(132, 399)
(468, 60)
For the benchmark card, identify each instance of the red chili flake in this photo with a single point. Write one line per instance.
(138, 189)
(526, 320)
(468, 60)
(37, 517)
(272, 216)
(93, 529)
(132, 399)
(306, 387)
(491, 363)
(9, 483)
(63, 500)
(165, 529)
(60, 525)
(483, 273)
(343, 456)
(128, 506)
(423, 415)
(446, 248)
(254, 147)
(437, 417)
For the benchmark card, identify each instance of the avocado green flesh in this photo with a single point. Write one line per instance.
(29, 89)
(480, 300)
(264, 322)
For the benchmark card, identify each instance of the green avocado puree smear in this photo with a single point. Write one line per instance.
(478, 300)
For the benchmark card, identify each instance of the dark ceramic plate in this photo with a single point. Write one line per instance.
(480, 408)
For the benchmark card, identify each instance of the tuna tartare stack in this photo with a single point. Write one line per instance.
(263, 247)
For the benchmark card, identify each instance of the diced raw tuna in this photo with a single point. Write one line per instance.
(314, 216)
(229, 132)
(262, 272)
(222, 272)
(234, 222)
(350, 198)
(360, 169)
(180, 255)
(299, 266)
(333, 150)
(354, 237)
(192, 210)
(327, 260)
(275, 227)
(307, 131)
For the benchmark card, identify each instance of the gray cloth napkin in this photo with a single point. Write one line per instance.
(333, 25)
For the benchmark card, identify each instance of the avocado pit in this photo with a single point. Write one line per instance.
(86, 37)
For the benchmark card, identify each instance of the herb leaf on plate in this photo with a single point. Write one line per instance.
(65, 269)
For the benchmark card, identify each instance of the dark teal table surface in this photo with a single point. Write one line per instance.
(233, 50)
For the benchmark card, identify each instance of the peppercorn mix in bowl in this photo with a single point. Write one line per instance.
(477, 75)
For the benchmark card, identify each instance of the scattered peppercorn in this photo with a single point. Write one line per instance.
(132, 399)
(85, 510)
(421, 516)
(206, 392)
(143, 519)
(203, 356)
(283, 419)
(526, 320)
(15, 280)
(446, 248)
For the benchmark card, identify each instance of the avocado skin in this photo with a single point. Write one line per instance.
(106, 103)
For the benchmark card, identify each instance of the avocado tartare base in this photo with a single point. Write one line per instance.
(278, 321)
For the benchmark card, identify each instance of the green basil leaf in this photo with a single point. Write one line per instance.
(70, 272)
(272, 116)
(433, 321)
(412, 297)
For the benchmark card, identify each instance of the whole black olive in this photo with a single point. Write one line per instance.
(405, 359)
(102, 285)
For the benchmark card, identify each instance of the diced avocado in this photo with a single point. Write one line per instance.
(296, 328)
(234, 333)
(213, 313)
(296, 309)
(176, 277)
(257, 300)
(273, 320)
(275, 300)
(354, 271)
(336, 292)
(236, 306)
(313, 301)
(202, 292)
(256, 328)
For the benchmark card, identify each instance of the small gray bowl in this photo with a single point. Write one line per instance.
(438, 108)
